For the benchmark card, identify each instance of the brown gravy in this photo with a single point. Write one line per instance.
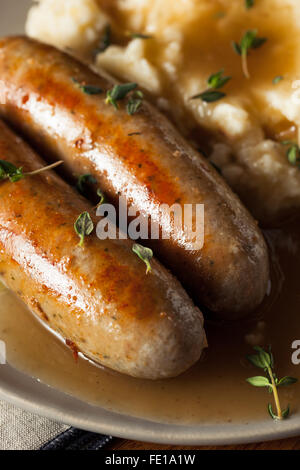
(209, 28)
(213, 391)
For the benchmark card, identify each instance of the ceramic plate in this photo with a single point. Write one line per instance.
(36, 397)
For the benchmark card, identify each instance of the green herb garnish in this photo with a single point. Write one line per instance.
(277, 79)
(135, 102)
(88, 89)
(82, 181)
(249, 4)
(264, 360)
(210, 96)
(145, 254)
(102, 198)
(83, 226)
(81, 184)
(217, 81)
(250, 40)
(292, 153)
(214, 82)
(140, 36)
(105, 40)
(119, 92)
(10, 171)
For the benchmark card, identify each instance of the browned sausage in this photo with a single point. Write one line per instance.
(38, 94)
(98, 297)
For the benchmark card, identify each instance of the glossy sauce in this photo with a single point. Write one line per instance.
(206, 31)
(214, 390)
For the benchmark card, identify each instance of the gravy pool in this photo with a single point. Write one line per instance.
(213, 391)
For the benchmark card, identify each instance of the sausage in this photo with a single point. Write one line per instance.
(155, 166)
(98, 296)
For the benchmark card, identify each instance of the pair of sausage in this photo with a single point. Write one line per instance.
(98, 296)
(143, 158)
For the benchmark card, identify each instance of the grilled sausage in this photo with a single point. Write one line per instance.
(98, 297)
(229, 275)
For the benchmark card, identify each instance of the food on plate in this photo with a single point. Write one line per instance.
(74, 23)
(95, 294)
(171, 48)
(110, 132)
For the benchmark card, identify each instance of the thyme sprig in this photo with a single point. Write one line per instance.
(119, 92)
(135, 102)
(139, 35)
(265, 360)
(10, 171)
(214, 82)
(83, 181)
(105, 41)
(145, 254)
(249, 4)
(101, 196)
(87, 89)
(84, 225)
(250, 40)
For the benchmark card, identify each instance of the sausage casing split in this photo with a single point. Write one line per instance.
(98, 296)
(229, 275)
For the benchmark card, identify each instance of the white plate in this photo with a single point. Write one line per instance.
(33, 396)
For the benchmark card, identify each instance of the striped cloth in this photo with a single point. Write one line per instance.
(20, 430)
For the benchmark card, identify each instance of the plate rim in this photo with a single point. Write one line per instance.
(129, 427)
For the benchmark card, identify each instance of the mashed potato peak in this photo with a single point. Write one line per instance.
(74, 24)
(191, 39)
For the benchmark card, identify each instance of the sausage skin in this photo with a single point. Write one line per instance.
(155, 166)
(98, 297)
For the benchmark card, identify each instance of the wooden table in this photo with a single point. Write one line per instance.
(284, 444)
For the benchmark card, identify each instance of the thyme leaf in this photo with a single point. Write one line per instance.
(88, 89)
(102, 197)
(119, 92)
(264, 360)
(249, 4)
(214, 82)
(145, 254)
(83, 226)
(82, 182)
(135, 102)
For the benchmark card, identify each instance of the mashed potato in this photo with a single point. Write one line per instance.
(190, 40)
(74, 24)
